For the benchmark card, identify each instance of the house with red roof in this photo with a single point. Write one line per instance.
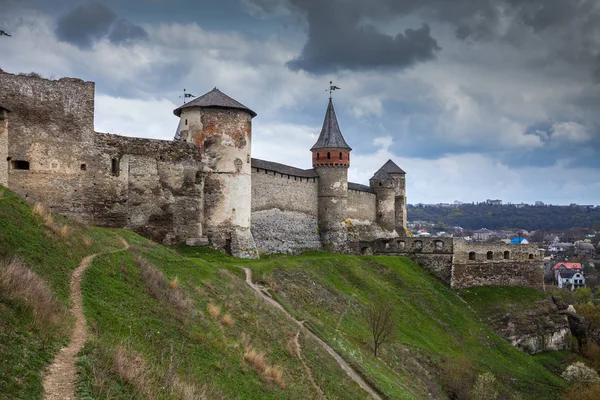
(566, 266)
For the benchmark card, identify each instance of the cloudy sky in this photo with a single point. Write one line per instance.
(473, 99)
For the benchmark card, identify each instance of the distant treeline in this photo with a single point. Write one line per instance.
(470, 216)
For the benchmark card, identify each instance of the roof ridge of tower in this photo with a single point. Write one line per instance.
(214, 98)
(392, 168)
(331, 136)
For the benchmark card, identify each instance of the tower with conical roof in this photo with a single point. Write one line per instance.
(222, 128)
(389, 184)
(331, 160)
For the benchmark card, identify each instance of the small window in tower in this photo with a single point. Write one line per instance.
(318, 156)
(186, 121)
(380, 184)
(19, 164)
(83, 167)
(115, 167)
(340, 155)
(328, 155)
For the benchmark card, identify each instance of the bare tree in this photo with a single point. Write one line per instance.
(379, 315)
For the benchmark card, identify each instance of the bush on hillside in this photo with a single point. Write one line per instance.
(580, 374)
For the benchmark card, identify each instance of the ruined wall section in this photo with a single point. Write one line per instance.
(51, 131)
(56, 158)
(284, 211)
(154, 186)
(432, 253)
(483, 264)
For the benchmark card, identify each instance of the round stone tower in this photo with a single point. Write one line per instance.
(331, 159)
(222, 128)
(389, 185)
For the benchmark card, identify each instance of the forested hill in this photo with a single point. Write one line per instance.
(476, 216)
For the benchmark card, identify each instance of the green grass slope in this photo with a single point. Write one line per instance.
(29, 340)
(182, 324)
(434, 324)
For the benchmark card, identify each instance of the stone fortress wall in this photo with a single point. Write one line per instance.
(55, 157)
(284, 208)
(461, 264)
(204, 186)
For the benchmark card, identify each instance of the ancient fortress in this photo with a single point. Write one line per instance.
(204, 186)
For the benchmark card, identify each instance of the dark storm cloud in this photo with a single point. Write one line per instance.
(339, 35)
(93, 21)
(340, 38)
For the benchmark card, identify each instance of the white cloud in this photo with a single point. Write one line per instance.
(571, 132)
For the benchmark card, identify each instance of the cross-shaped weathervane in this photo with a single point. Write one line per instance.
(332, 88)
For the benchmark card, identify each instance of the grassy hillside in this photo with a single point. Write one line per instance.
(434, 326)
(181, 323)
(37, 255)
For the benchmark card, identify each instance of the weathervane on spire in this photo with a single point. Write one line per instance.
(332, 88)
(186, 96)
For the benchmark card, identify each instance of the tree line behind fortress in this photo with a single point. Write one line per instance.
(476, 216)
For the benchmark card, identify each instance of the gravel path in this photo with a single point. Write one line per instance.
(59, 382)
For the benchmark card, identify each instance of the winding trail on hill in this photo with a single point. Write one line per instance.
(351, 372)
(59, 382)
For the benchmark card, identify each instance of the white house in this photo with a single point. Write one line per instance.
(570, 280)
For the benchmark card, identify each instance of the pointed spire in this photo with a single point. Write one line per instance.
(331, 136)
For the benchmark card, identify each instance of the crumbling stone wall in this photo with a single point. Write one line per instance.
(56, 158)
(478, 264)
(432, 253)
(461, 264)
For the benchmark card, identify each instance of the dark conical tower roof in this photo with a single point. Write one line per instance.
(391, 168)
(331, 137)
(214, 98)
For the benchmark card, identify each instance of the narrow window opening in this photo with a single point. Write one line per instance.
(380, 184)
(490, 255)
(20, 164)
(83, 167)
(472, 256)
(186, 121)
(115, 166)
(198, 177)
(328, 155)
(340, 155)
(506, 255)
(531, 256)
(318, 156)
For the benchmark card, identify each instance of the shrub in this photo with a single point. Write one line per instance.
(255, 359)
(228, 320)
(274, 374)
(87, 242)
(580, 374)
(458, 377)
(583, 393)
(214, 310)
(485, 388)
